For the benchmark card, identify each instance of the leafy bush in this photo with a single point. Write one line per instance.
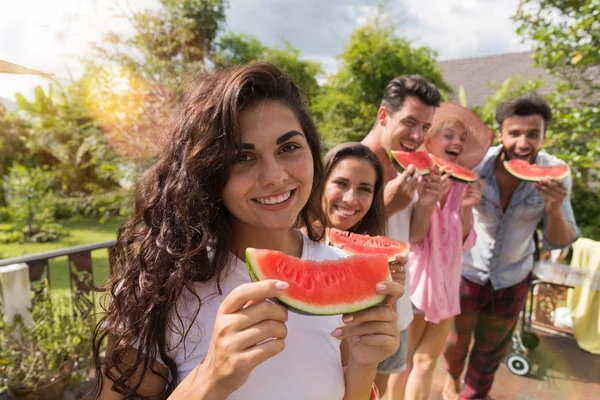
(117, 203)
(33, 355)
(6, 215)
(43, 234)
(113, 203)
(11, 237)
(28, 192)
(586, 204)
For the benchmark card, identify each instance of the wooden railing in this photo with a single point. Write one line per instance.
(80, 265)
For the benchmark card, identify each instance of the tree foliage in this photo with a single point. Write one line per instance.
(238, 49)
(373, 56)
(13, 143)
(132, 81)
(67, 139)
(566, 37)
(167, 43)
(129, 110)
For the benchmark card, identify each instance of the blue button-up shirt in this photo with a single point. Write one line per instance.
(503, 252)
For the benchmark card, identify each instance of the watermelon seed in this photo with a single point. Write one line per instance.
(308, 283)
(334, 279)
(328, 280)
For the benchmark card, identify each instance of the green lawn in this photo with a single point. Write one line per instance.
(82, 231)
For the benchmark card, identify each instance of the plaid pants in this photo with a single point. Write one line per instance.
(489, 316)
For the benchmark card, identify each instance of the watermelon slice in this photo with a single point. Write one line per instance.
(327, 287)
(533, 172)
(353, 243)
(457, 172)
(420, 159)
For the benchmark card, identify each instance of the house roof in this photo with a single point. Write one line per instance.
(480, 75)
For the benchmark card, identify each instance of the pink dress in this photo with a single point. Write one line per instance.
(435, 263)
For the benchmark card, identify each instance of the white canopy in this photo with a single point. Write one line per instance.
(12, 68)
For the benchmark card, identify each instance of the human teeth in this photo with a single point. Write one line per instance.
(346, 212)
(274, 199)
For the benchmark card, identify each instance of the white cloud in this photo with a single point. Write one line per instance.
(363, 14)
(49, 35)
(463, 29)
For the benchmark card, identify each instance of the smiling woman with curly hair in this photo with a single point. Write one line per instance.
(241, 168)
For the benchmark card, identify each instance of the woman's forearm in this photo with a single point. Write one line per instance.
(359, 381)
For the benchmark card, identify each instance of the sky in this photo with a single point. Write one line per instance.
(52, 35)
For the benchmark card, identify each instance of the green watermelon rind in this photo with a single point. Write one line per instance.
(303, 308)
(530, 178)
(391, 258)
(457, 176)
(401, 168)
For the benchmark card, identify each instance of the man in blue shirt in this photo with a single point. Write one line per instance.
(495, 273)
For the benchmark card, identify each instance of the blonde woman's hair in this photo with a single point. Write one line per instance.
(440, 126)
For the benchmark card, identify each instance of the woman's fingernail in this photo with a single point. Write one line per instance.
(356, 339)
(337, 333)
(347, 318)
(381, 287)
(281, 285)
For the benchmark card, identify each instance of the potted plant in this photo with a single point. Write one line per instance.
(37, 361)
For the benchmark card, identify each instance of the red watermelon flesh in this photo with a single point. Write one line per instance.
(326, 287)
(420, 159)
(457, 172)
(353, 243)
(533, 172)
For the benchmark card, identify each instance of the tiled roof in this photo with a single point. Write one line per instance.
(479, 75)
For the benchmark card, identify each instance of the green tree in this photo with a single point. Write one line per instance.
(374, 55)
(512, 87)
(566, 37)
(13, 143)
(129, 110)
(66, 139)
(237, 49)
(167, 43)
(28, 191)
(132, 81)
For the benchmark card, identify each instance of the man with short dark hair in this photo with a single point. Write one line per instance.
(496, 271)
(403, 118)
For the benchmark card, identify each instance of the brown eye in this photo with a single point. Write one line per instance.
(243, 157)
(289, 147)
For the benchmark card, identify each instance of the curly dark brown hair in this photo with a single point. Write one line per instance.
(179, 215)
(374, 221)
(523, 106)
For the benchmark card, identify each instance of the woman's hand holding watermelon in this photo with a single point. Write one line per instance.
(445, 182)
(248, 331)
(397, 269)
(373, 335)
(472, 195)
